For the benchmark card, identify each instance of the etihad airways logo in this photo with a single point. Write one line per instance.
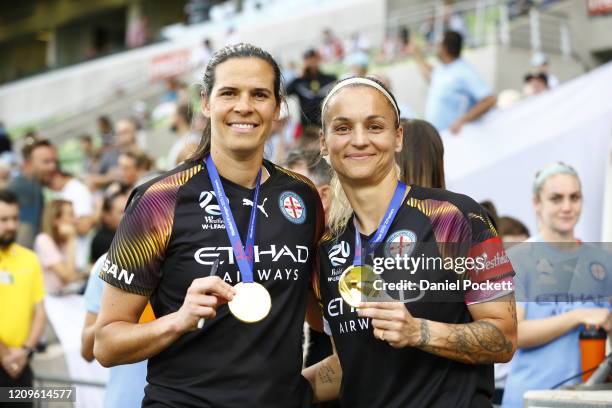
(112, 269)
(273, 253)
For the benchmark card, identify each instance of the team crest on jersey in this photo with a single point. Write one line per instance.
(598, 271)
(292, 206)
(400, 243)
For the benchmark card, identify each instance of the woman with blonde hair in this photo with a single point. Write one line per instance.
(432, 350)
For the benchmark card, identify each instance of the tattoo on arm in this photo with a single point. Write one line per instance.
(512, 310)
(479, 342)
(424, 340)
(327, 374)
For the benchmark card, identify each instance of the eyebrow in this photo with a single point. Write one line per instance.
(231, 88)
(345, 119)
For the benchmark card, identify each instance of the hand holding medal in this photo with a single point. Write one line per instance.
(252, 301)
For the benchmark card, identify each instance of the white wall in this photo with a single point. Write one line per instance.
(497, 158)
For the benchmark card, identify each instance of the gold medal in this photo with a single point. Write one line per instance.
(251, 302)
(356, 285)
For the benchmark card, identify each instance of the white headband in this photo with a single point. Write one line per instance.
(551, 170)
(361, 81)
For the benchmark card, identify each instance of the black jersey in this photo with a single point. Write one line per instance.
(172, 233)
(311, 90)
(374, 373)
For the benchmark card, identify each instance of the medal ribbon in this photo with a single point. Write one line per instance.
(383, 228)
(244, 254)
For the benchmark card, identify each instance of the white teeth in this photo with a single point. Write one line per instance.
(243, 125)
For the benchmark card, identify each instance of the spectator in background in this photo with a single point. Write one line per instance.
(554, 261)
(421, 160)
(281, 138)
(512, 230)
(5, 140)
(180, 125)
(73, 190)
(358, 43)
(39, 163)
(171, 93)
(534, 84)
(357, 63)
(56, 248)
(540, 64)
(112, 211)
(5, 174)
(90, 162)
(403, 38)
(200, 58)
(310, 164)
(137, 32)
(132, 166)
(311, 88)
(457, 93)
(124, 141)
(22, 312)
(105, 130)
(331, 50)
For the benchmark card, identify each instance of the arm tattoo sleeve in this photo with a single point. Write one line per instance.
(479, 342)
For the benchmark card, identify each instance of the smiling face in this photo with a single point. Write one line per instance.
(361, 134)
(241, 105)
(558, 203)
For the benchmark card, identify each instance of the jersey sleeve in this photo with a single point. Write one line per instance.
(492, 273)
(135, 258)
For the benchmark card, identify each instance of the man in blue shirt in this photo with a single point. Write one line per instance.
(457, 94)
(125, 388)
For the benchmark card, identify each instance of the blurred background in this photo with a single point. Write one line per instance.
(113, 85)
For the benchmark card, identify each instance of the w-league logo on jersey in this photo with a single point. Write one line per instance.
(292, 206)
(339, 253)
(205, 201)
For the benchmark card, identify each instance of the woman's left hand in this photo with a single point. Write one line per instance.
(392, 323)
